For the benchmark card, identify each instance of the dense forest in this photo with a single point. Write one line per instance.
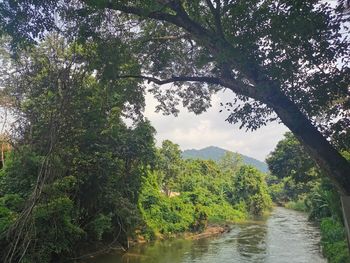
(79, 179)
(80, 171)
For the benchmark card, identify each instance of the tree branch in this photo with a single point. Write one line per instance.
(217, 44)
(229, 82)
(209, 80)
(159, 15)
(166, 38)
(216, 15)
(208, 38)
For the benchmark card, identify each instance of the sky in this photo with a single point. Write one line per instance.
(192, 131)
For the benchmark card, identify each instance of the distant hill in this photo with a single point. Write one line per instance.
(215, 153)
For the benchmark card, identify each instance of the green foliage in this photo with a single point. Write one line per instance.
(334, 242)
(75, 156)
(298, 205)
(7, 212)
(275, 188)
(19, 181)
(169, 164)
(56, 226)
(324, 201)
(230, 163)
(250, 186)
(293, 172)
(290, 160)
(225, 212)
(98, 226)
(201, 199)
(162, 214)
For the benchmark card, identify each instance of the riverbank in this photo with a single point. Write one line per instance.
(211, 230)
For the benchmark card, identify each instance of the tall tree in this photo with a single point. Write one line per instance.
(286, 57)
(77, 165)
(290, 160)
(250, 186)
(276, 56)
(170, 163)
(230, 163)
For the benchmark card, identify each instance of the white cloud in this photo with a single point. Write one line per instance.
(198, 131)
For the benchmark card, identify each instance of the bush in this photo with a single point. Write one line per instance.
(298, 205)
(334, 241)
(190, 211)
(162, 214)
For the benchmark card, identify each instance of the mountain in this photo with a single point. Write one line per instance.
(215, 153)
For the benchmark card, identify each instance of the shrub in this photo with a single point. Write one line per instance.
(333, 241)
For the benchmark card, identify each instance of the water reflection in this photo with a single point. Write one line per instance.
(286, 236)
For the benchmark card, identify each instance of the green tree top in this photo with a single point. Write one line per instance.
(170, 163)
(289, 159)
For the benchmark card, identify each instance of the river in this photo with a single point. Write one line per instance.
(285, 236)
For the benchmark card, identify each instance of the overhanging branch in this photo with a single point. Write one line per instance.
(231, 83)
(159, 15)
(216, 15)
(209, 80)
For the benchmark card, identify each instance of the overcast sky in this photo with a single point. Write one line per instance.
(199, 131)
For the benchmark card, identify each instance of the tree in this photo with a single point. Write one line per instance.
(170, 164)
(293, 173)
(276, 56)
(250, 187)
(290, 160)
(230, 163)
(76, 165)
(267, 52)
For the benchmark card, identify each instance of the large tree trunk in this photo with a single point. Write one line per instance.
(336, 167)
(345, 202)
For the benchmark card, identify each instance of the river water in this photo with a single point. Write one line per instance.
(285, 236)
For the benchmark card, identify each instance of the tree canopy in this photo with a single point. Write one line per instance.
(78, 68)
(79, 178)
(283, 57)
(289, 159)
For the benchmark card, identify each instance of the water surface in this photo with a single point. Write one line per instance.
(285, 236)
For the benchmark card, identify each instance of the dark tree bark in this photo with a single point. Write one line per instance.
(325, 155)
